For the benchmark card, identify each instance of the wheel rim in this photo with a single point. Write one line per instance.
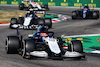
(23, 50)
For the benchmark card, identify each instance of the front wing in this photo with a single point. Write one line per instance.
(15, 26)
(67, 54)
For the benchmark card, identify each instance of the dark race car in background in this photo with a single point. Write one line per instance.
(32, 4)
(85, 12)
(43, 44)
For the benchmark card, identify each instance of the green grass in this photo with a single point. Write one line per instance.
(5, 16)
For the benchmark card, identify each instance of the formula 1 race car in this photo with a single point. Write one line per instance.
(32, 20)
(32, 4)
(43, 44)
(85, 12)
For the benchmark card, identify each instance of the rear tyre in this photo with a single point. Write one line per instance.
(21, 6)
(40, 22)
(76, 46)
(12, 44)
(28, 46)
(13, 21)
(96, 15)
(46, 7)
(48, 22)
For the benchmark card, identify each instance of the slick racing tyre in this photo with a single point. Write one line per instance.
(76, 46)
(12, 44)
(96, 15)
(40, 22)
(46, 7)
(28, 46)
(21, 6)
(73, 15)
(48, 22)
(13, 21)
(21, 20)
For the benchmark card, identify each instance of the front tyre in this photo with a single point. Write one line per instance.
(21, 20)
(76, 46)
(12, 44)
(12, 22)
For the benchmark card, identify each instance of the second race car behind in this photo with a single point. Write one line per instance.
(31, 21)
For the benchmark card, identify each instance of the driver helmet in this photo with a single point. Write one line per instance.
(42, 29)
(86, 7)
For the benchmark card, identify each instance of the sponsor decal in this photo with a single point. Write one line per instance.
(64, 4)
(77, 4)
(3, 2)
(92, 4)
(14, 2)
(51, 3)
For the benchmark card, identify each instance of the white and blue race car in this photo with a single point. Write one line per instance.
(32, 4)
(43, 44)
(31, 21)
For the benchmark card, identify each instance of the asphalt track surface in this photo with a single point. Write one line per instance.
(70, 27)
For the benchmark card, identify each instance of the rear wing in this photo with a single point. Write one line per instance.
(36, 9)
(40, 13)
